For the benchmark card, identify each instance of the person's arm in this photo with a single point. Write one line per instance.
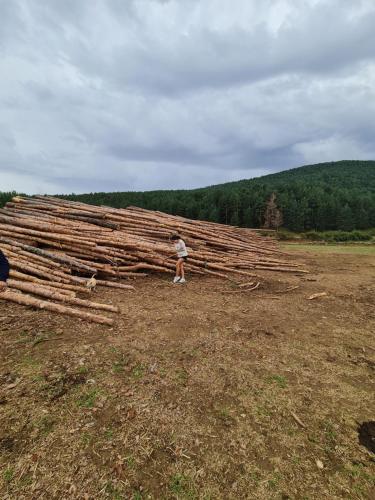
(3, 286)
(169, 256)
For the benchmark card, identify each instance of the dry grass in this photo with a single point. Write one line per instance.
(332, 248)
(191, 394)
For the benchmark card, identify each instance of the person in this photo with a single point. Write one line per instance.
(4, 272)
(182, 257)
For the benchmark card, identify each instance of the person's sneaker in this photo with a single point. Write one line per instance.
(182, 280)
(176, 279)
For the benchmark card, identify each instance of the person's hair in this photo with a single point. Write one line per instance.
(175, 237)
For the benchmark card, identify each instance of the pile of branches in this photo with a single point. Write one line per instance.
(55, 247)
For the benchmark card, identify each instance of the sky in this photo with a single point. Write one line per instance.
(114, 95)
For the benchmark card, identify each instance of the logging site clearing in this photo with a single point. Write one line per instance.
(195, 392)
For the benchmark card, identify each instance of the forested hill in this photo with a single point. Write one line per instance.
(338, 195)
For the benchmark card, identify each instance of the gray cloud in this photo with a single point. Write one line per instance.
(146, 94)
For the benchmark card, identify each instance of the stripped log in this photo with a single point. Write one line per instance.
(60, 244)
(243, 290)
(54, 295)
(26, 286)
(27, 300)
(49, 255)
(114, 284)
(61, 286)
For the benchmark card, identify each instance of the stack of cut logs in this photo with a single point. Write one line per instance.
(55, 248)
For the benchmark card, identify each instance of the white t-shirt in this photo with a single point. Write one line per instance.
(181, 248)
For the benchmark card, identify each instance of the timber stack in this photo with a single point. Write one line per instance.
(55, 248)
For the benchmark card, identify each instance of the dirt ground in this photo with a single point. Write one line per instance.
(196, 393)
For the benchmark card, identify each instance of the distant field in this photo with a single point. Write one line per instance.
(342, 249)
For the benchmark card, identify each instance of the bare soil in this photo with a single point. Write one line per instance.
(196, 392)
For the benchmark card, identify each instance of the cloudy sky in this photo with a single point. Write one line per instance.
(112, 95)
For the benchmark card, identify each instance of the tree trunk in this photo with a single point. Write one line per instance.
(26, 300)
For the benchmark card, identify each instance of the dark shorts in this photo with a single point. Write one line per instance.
(4, 270)
(4, 276)
(184, 258)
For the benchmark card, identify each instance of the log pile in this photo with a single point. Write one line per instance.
(55, 246)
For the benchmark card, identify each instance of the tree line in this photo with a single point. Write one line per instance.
(323, 197)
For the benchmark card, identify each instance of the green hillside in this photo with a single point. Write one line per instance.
(326, 196)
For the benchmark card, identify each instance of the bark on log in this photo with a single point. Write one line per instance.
(27, 300)
(61, 286)
(54, 295)
(114, 243)
(114, 284)
(50, 255)
(27, 286)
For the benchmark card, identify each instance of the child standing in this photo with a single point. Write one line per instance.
(182, 256)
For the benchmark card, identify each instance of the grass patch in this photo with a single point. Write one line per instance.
(24, 337)
(223, 414)
(87, 399)
(363, 480)
(296, 460)
(86, 438)
(356, 235)
(263, 411)
(113, 492)
(120, 363)
(330, 437)
(130, 462)
(25, 481)
(138, 371)
(118, 367)
(29, 362)
(325, 249)
(108, 434)
(45, 424)
(279, 380)
(338, 236)
(182, 376)
(254, 477)
(8, 475)
(181, 486)
(39, 339)
(273, 483)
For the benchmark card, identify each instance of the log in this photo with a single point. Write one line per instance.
(131, 275)
(54, 295)
(243, 290)
(91, 220)
(49, 255)
(22, 266)
(35, 258)
(114, 284)
(143, 265)
(27, 300)
(26, 286)
(61, 286)
(51, 236)
(242, 285)
(44, 271)
(298, 420)
(59, 244)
